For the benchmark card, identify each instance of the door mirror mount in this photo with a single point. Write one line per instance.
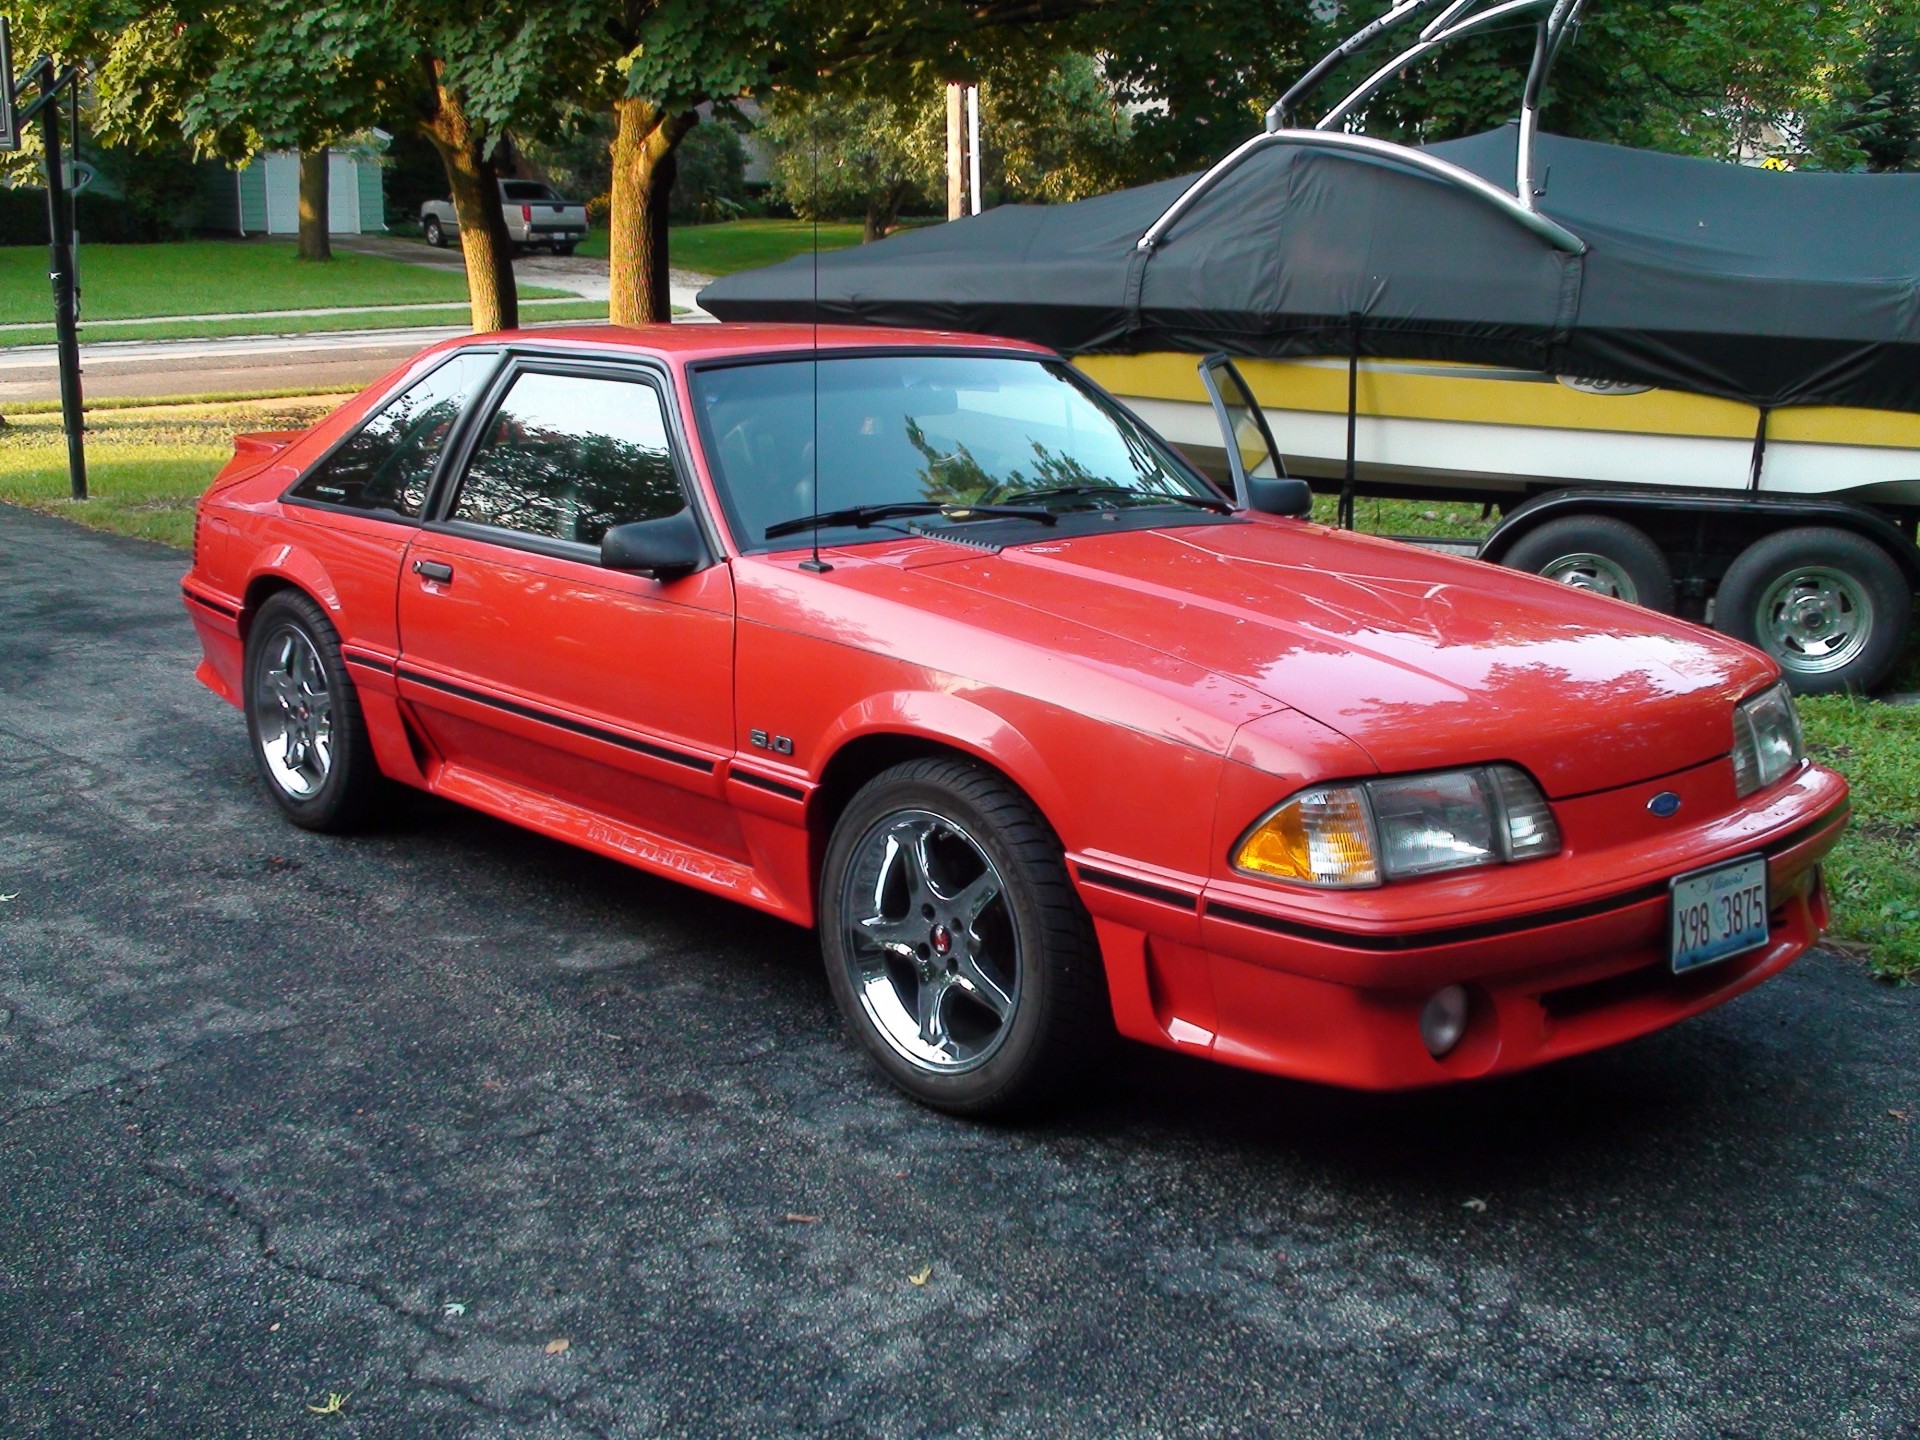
(663, 549)
(1251, 454)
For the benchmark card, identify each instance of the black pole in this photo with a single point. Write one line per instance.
(1353, 421)
(66, 295)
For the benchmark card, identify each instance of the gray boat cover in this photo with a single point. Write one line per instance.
(1768, 287)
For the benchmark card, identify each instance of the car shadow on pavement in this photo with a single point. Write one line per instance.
(1743, 1071)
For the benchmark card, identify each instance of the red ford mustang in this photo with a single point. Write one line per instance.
(925, 641)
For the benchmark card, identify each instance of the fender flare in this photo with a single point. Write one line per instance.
(956, 723)
(289, 565)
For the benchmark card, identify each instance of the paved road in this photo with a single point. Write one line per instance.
(390, 1118)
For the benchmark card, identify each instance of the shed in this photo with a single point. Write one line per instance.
(262, 197)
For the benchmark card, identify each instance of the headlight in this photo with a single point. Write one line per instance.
(1344, 836)
(1767, 743)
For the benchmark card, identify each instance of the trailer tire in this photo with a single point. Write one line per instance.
(1831, 606)
(1597, 553)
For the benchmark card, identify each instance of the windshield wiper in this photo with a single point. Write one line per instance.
(1146, 497)
(861, 516)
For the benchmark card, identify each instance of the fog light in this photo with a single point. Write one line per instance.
(1444, 1020)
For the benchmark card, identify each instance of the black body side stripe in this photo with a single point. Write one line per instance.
(367, 662)
(1458, 934)
(562, 722)
(219, 607)
(761, 782)
(1145, 889)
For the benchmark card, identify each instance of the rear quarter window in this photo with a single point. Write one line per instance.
(386, 467)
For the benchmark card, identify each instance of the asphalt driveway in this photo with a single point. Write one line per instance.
(491, 1137)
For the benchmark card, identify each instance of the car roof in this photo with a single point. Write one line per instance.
(693, 342)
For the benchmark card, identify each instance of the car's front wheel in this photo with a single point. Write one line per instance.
(309, 738)
(436, 237)
(955, 944)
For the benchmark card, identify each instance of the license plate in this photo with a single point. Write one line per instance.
(1718, 913)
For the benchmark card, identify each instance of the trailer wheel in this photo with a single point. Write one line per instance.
(1597, 553)
(1831, 606)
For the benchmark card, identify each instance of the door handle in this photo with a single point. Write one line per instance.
(433, 570)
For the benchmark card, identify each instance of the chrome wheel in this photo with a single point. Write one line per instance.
(1815, 619)
(930, 945)
(293, 713)
(1592, 572)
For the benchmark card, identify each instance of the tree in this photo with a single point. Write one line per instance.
(1050, 131)
(1865, 109)
(1710, 77)
(848, 152)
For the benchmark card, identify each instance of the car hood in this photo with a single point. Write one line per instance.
(1422, 659)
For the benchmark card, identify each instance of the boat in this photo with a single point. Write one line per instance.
(1591, 339)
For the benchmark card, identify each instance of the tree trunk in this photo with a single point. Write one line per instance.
(475, 187)
(644, 140)
(314, 241)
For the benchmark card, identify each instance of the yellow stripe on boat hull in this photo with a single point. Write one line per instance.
(1483, 395)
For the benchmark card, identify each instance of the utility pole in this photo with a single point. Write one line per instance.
(963, 150)
(60, 260)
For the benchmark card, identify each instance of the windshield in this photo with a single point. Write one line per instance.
(925, 430)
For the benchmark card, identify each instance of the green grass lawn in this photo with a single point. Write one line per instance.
(737, 244)
(95, 331)
(213, 277)
(149, 462)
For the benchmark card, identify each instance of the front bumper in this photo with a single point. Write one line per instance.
(1249, 975)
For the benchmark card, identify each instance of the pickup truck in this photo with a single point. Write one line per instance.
(535, 217)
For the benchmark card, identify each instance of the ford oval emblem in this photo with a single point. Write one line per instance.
(1664, 804)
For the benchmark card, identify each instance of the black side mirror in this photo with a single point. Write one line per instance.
(663, 549)
(1279, 497)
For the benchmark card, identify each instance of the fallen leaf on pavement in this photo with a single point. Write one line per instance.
(558, 1347)
(925, 1275)
(793, 1219)
(1475, 1205)
(336, 1403)
(453, 1309)
(1898, 1114)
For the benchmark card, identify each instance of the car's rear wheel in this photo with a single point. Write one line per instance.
(303, 716)
(1597, 553)
(563, 249)
(1831, 606)
(955, 944)
(436, 237)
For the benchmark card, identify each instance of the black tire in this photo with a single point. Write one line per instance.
(436, 237)
(1831, 606)
(1597, 552)
(329, 787)
(563, 249)
(1057, 1018)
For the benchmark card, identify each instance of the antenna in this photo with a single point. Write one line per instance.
(815, 563)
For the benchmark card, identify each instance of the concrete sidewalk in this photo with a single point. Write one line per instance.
(583, 275)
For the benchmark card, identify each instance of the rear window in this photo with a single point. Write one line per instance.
(387, 467)
(526, 190)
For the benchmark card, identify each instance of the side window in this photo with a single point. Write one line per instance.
(387, 466)
(568, 457)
